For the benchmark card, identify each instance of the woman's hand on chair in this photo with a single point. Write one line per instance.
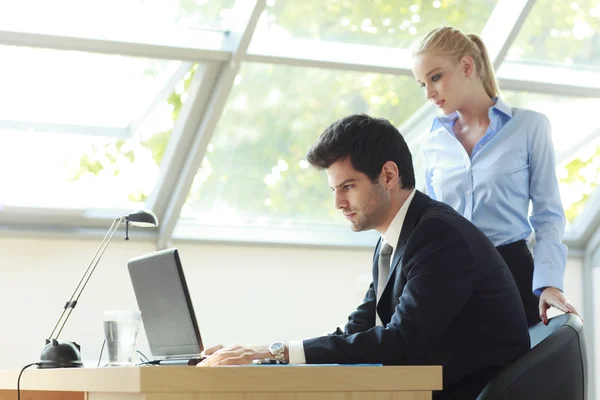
(553, 297)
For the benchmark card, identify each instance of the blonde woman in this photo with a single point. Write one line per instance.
(488, 161)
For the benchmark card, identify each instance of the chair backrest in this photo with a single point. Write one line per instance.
(554, 368)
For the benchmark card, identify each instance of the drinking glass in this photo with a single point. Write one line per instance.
(121, 330)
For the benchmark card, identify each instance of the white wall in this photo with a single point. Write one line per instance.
(573, 285)
(234, 289)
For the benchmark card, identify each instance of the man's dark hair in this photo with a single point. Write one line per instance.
(369, 142)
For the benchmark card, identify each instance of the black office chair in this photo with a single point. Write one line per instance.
(554, 369)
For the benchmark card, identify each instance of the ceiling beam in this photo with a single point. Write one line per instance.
(162, 95)
(575, 147)
(215, 46)
(183, 133)
(214, 110)
(90, 130)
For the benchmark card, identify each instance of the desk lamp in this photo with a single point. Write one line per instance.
(59, 354)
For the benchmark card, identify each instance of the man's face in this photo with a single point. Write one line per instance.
(363, 203)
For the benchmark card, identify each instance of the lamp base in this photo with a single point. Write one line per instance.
(60, 355)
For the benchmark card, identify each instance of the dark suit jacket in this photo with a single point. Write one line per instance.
(450, 300)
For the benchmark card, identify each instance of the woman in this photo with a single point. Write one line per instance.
(488, 160)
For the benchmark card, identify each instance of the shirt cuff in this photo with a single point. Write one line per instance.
(296, 348)
(549, 264)
(552, 277)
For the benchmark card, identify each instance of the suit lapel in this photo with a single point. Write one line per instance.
(414, 211)
(396, 282)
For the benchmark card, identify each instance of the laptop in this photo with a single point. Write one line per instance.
(167, 312)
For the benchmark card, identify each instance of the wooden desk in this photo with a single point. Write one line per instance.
(224, 383)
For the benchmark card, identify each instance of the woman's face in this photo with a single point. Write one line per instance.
(443, 79)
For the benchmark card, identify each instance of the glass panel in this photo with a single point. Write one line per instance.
(76, 88)
(57, 170)
(579, 177)
(560, 32)
(254, 172)
(531, 74)
(88, 18)
(388, 23)
(595, 316)
(572, 120)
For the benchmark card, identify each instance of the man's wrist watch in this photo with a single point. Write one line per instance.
(277, 349)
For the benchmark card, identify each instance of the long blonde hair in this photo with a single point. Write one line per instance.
(451, 42)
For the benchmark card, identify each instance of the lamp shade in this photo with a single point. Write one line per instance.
(142, 218)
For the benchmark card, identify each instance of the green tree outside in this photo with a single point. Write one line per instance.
(254, 170)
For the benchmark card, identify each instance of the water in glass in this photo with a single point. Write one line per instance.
(121, 337)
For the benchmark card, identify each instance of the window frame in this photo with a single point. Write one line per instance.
(220, 56)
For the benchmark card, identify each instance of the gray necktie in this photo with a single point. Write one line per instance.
(385, 255)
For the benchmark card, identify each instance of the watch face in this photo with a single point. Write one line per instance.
(276, 347)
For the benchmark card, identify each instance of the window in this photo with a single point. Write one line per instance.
(83, 130)
(595, 295)
(399, 23)
(574, 129)
(76, 127)
(570, 38)
(578, 179)
(137, 20)
(254, 172)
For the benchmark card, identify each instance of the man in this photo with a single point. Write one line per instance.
(446, 298)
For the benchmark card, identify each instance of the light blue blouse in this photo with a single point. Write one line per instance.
(511, 164)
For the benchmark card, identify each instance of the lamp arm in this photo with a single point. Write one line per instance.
(72, 302)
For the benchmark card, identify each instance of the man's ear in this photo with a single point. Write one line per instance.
(467, 65)
(389, 176)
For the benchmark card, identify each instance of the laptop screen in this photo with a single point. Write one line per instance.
(163, 298)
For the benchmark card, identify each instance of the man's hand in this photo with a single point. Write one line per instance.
(553, 297)
(234, 355)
